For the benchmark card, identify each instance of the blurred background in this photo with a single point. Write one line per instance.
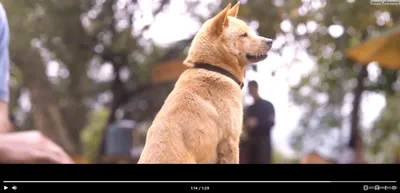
(92, 74)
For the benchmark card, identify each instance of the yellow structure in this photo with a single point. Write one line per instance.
(168, 71)
(384, 49)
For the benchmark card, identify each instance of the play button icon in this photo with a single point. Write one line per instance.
(5, 187)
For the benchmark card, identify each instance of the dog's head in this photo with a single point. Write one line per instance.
(226, 39)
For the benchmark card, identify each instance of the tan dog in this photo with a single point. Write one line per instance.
(201, 120)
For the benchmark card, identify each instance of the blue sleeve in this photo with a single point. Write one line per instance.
(4, 55)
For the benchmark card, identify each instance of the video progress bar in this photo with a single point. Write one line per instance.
(199, 181)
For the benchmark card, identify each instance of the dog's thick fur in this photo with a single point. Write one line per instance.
(201, 120)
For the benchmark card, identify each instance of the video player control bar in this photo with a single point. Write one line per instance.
(201, 186)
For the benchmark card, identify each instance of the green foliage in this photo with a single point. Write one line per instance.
(82, 36)
(386, 131)
(324, 92)
(91, 136)
(276, 157)
(333, 77)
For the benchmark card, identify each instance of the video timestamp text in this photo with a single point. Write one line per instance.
(199, 188)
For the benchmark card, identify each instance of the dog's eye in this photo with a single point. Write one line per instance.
(243, 35)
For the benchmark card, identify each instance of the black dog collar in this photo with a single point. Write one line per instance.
(219, 70)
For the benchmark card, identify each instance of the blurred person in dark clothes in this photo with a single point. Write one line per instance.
(259, 120)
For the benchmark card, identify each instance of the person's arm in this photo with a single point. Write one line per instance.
(30, 147)
(249, 120)
(271, 115)
(4, 121)
(4, 70)
(268, 120)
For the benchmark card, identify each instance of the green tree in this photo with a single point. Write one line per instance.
(325, 29)
(79, 38)
(324, 91)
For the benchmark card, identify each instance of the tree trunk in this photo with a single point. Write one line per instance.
(75, 119)
(45, 110)
(76, 110)
(356, 141)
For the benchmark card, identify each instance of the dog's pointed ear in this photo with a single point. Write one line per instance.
(221, 21)
(234, 10)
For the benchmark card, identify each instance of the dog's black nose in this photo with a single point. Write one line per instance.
(269, 42)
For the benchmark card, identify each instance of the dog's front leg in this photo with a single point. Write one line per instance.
(228, 152)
